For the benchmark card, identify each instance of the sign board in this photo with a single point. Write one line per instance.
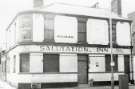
(72, 49)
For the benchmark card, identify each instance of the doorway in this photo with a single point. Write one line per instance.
(127, 65)
(82, 69)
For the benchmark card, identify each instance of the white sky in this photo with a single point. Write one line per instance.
(9, 8)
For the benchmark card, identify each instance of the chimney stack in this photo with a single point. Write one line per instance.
(116, 7)
(38, 3)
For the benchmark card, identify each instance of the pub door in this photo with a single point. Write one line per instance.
(82, 69)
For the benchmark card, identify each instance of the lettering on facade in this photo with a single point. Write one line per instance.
(74, 49)
(102, 49)
(65, 36)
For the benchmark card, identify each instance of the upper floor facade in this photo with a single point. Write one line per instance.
(43, 27)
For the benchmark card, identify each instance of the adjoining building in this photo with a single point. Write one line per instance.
(131, 16)
(65, 45)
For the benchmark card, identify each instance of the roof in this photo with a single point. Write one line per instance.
(63, 8)
(79, 10)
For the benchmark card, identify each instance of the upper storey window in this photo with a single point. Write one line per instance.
(65, 29)
(49, 28)
(123, 33)
(114, 33)
(97, 31)
(24, 25)
(82, 30)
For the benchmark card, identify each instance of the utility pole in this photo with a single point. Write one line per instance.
(111, 48)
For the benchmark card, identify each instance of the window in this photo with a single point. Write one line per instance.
(65, 28)
(123, 33)
(24, 62)
(108, 61)
(114, 32)
(24, 25)
(49, 28)
(81, 31)
(97, 31)
(50, 63)
(14, 64)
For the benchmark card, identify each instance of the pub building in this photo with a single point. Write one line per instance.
(64, 46)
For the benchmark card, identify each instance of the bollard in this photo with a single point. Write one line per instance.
(91, 82)
(123, 81)
(33, 86)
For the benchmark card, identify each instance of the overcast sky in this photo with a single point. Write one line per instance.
(9, 8)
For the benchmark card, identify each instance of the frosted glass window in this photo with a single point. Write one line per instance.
(123, 33)
(97, 31)
(24, 28)
(65, 29)
(49, 28)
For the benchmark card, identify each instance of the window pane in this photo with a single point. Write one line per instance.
(24, 25)
(81, 37)
(114, 32)
(108, 61)
(24, 63)
(51, 63)
(49, 36)
(81, 27)
(115, 59)
(49, 24)
(49, 28)
(26, 35)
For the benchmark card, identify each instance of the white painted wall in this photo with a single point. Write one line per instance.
(43, 78)
(103, 76)
(38, 28)
(36, 62)
(68, 63)
(65, 29)
(97, 31)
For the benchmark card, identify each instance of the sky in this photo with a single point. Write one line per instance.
(9, 8)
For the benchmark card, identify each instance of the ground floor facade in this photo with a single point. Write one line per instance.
(55, 65)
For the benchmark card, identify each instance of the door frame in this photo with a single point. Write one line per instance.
(87, 65)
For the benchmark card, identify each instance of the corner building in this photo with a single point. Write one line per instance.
(63, 45)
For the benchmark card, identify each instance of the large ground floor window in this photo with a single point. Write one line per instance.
(24, 62)
(50, 63)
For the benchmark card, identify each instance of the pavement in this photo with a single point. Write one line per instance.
(5, 85)
(99, 87)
